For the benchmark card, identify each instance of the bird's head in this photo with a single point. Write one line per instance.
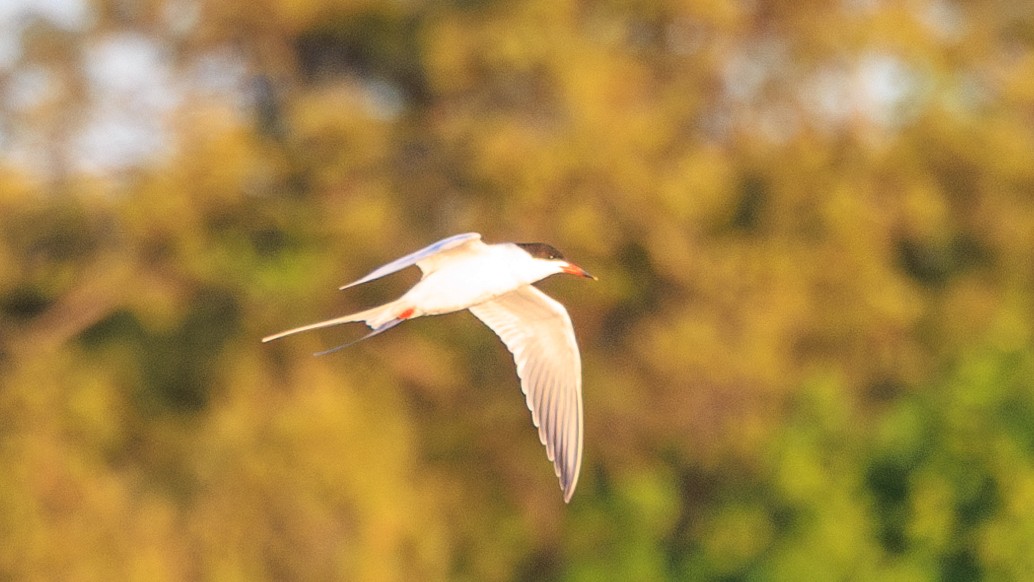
(551, 261)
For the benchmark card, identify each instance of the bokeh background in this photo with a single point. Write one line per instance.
(808, 357)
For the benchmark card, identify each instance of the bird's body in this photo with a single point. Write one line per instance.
(469, 279)
(495, 283)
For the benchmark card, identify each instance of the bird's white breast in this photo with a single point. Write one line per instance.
(468, 279)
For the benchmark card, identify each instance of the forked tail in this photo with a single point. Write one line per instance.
(377, 318)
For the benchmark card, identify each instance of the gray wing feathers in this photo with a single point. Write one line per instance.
(538, 331)
(425, 258)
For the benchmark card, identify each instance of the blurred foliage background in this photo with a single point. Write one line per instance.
(808, 357)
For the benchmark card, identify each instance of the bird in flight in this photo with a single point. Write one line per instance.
(494, 281)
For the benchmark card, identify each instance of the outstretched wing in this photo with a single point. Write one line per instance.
(425, 258)
(538, 331)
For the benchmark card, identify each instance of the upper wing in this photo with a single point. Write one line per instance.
(424, 258)
(538, 331)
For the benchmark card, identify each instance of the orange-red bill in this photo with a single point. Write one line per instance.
(573, 269)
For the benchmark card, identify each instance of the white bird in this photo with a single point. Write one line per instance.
(494, 281)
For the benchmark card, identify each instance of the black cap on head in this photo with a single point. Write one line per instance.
(541, 251)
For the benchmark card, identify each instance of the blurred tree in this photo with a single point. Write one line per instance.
(809, 354)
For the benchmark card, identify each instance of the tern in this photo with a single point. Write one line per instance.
(495, 283)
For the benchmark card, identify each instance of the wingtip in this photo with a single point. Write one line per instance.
(568, 488)
(569, 482)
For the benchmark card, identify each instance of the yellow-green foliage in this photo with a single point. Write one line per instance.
(808, 357)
